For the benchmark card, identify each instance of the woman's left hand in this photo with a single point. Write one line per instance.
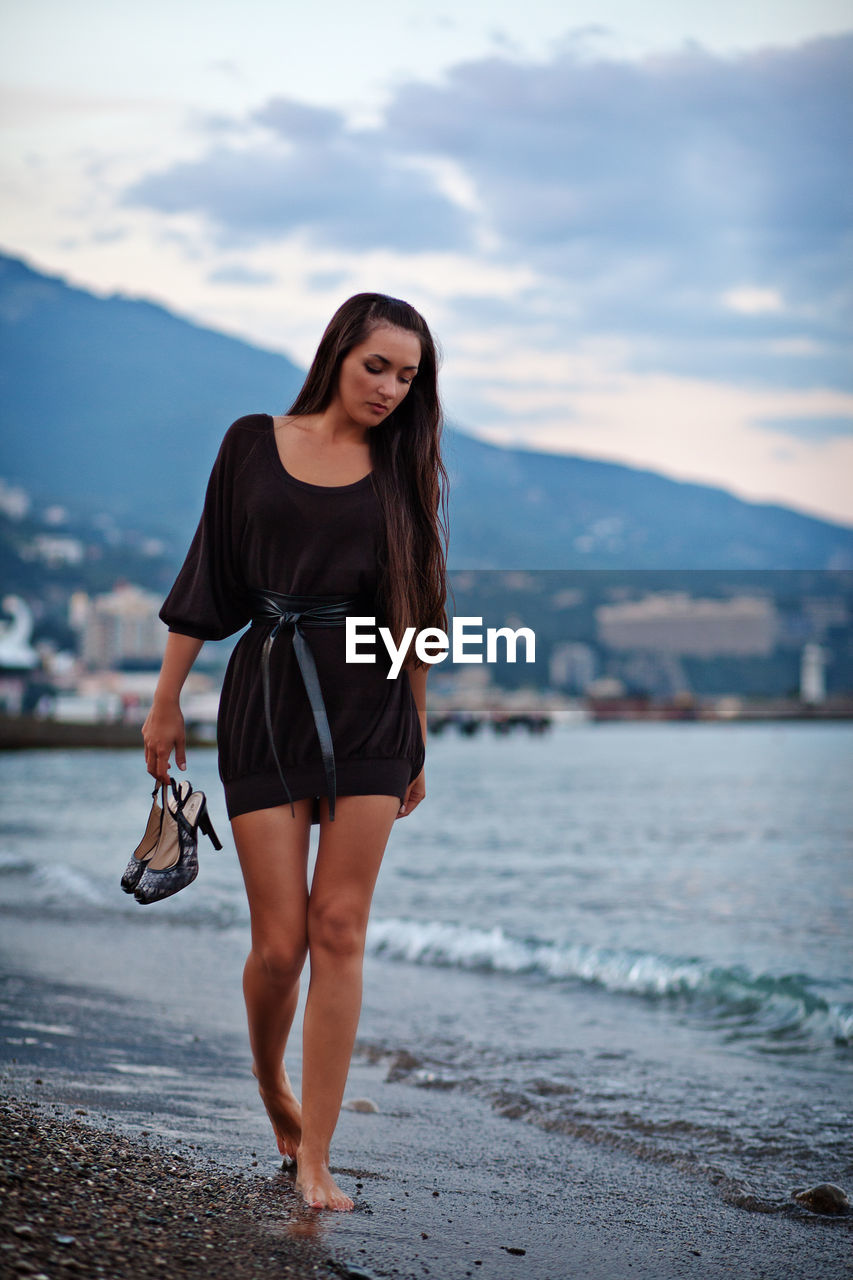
(414, 795)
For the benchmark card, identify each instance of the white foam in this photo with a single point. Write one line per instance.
(435, 942)
(141, 1069)
(63, 883)
(780, 1004)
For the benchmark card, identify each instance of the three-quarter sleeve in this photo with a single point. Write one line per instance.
(208, 599)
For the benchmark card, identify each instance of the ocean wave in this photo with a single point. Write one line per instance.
(55, 890)
(783, 1011)
(14, 864)
(52, 883)
(65, 884)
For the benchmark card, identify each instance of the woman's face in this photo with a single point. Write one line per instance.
(376, 375)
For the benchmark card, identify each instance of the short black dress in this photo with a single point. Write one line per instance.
(261, 528)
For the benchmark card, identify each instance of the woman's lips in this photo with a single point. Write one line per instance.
(380, 408)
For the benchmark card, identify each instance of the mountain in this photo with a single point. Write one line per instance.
(118, 405)
(118, 402)
(513, 508)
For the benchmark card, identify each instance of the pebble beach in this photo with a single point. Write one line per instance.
(84, 1201)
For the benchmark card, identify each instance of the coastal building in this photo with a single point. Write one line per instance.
(118, 627)
(675, 622)
(54, 550)
(572, 666)
(812, 681)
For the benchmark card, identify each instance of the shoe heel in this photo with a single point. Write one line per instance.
(205, 825)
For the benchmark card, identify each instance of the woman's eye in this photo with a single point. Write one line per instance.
(406, 381)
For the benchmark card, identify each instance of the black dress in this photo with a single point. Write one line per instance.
(261, 528)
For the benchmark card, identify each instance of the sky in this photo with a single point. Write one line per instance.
(628, 225)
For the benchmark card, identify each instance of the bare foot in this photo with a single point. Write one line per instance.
(317, 1186)
(284, 1112)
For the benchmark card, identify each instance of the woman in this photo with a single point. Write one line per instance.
(334, 509)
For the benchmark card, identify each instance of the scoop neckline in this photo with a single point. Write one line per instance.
(307, 484)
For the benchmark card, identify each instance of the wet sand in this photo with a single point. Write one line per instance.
(153, 1049)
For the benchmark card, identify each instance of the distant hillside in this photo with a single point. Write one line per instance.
(116, 401)
(518, 509)
(117, 405)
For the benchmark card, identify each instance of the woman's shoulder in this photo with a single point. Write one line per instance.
(242, 437)
(249, 427)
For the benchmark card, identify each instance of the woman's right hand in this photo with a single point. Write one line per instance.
(162, 731)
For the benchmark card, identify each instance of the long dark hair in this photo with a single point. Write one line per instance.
(409, 476)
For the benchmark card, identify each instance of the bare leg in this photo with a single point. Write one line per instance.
(348, 860)
(273, 851)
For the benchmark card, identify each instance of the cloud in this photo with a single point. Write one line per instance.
(693, 173)
(237, 273)
(310, 174)
(828, 427)
(295, 120)
(753, 302)
(689, 202)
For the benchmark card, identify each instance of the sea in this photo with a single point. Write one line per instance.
(638, 934)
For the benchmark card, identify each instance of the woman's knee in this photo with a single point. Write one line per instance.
(281, 960)
(336, 929)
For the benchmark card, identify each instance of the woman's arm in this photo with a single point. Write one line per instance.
(164, 726)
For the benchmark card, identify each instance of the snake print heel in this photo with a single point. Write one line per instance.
(144, 851)
(174, 863)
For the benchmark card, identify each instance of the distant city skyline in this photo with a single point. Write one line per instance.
(625, 223)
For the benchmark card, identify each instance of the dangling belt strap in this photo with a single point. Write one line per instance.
(269, 607)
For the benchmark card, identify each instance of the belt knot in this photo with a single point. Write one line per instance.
(274, 609)
(287, 617)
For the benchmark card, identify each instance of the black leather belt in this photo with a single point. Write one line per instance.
(269, 607)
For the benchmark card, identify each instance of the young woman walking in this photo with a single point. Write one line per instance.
(336, 509)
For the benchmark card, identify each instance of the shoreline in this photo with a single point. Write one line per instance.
(445, 1187)
(32, 733)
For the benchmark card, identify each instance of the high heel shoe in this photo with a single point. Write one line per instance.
(174, 863)
(145, 849)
